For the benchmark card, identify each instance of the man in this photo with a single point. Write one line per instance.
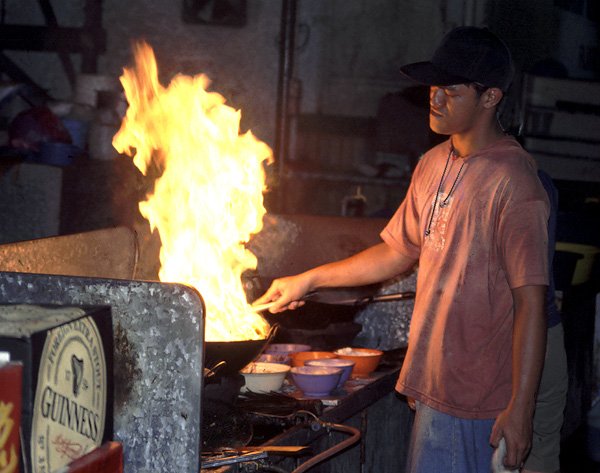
(544, 456)
(475, 221)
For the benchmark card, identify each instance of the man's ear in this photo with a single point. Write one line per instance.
(492, 97)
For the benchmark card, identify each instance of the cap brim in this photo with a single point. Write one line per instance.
(428, 74)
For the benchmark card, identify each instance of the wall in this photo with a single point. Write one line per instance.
(347, 55)
(347, 58)
(242, 62)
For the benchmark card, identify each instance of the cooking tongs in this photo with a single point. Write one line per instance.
(332, 297)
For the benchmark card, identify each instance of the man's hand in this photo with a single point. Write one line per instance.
(529, 347)
(286, 293)
(515, 425)
(375, 264)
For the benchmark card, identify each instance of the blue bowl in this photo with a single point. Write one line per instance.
(345, 365)
(316, 381)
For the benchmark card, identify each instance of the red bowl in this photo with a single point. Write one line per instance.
(365, 360)
(300, 357)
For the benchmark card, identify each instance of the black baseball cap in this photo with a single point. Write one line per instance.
(466, 54)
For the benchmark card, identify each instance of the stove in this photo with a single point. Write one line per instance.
(159, 366)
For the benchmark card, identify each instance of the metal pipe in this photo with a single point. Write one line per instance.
(354, 437)
(286, 69)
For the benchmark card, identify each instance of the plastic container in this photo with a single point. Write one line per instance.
(78, 129)
(584, 266)
(564, 268)
(100, 141)
(57, 154)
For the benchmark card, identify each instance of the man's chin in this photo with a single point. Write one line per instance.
(437, 128)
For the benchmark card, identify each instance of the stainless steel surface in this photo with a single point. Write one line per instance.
(117, 253)
(158, 334)
(97, 254)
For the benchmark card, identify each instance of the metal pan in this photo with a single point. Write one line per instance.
(227, 358)
(334, 298)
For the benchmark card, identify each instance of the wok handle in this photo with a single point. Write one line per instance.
(397, 296)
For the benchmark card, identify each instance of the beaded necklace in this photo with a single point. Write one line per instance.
(454, 155)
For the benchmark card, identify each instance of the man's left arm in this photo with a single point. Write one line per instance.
(529, 346)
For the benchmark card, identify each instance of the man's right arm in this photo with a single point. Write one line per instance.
(375, 264)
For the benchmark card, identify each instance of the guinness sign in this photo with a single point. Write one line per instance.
(70, 399)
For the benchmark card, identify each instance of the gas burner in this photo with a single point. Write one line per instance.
(224, 426)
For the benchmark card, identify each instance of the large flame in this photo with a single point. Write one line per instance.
(208, 201)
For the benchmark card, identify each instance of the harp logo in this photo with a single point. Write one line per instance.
(77, 373)
(70, 400)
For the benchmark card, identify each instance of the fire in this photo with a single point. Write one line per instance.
(208, 201)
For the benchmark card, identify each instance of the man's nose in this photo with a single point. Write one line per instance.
(436, 97)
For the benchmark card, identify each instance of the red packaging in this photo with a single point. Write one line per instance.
(107, 458)
(10, 415)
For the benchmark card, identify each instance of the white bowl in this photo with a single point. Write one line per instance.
(263, 377)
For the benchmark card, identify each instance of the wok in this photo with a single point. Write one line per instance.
(227, 358)
(341, 297)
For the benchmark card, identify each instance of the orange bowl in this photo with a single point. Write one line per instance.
(300, 357)
(365, 360)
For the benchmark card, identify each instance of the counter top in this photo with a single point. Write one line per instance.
(357, 395)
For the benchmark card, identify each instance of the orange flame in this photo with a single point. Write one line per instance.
(208, 200)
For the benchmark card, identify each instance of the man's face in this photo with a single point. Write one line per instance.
(453, 108)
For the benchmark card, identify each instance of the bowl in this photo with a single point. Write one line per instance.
(365, 360)
(316, 381)
(263, 377)
(286, 348)
(282, 358)
(345, 365)
(300, 357)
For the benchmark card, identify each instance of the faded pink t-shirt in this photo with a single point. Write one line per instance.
(489, 237)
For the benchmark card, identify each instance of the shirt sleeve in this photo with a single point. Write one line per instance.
(523, 239)
(402, 232)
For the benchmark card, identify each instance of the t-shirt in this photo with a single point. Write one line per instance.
(487, 237)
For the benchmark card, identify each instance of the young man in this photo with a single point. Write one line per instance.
(475, 221)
